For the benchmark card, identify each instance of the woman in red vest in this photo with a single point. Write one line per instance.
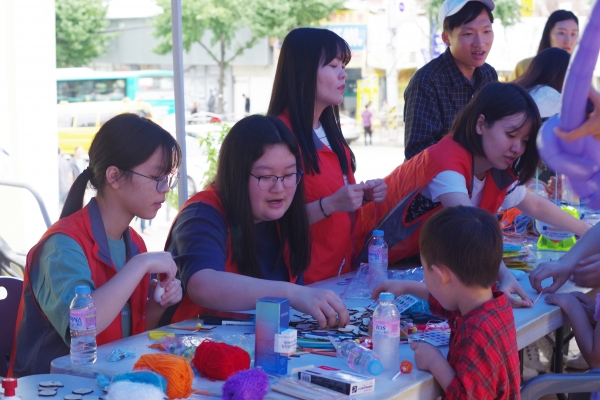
(484, 162)
(132, 166)
(247, 235)
(309, 86)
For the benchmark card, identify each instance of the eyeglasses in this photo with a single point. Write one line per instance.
(267, 182)
(163, 181)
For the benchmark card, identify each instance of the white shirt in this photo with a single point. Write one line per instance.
(547, 99)
(453, 182)
(323, 137)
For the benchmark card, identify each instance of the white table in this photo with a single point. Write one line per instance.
(27, 387)
(531, 323)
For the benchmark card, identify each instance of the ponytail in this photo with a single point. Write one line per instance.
(74, 201)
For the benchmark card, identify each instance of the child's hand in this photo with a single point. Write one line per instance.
(172, 294)
(426, 355)
(588, 306)
(566, 301)
(395, 287)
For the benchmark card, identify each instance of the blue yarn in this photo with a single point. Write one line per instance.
(147, 377)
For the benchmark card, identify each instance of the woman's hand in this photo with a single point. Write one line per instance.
(376, 191)
(323, 304)
(556, 270)
(589, 127)
(173, 293)
(348, 198)
(157, 262)
(587, 272)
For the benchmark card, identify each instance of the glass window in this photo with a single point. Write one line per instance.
(91, 90)
(86, 120)
(65, 120)
(105, 116)
(155, 88)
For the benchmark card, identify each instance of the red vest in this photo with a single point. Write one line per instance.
(87, 229)
(407, 181)
(187, 308)
(331, 237)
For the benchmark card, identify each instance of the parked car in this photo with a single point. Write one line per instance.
(350, 128)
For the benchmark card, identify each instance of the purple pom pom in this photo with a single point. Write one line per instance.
(252, 384)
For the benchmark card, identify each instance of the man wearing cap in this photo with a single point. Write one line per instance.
(442, 87)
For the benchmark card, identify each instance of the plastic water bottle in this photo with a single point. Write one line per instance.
(386, 333)
(360, 359)
(378, 259)
(83, 327)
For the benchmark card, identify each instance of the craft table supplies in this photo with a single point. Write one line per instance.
(272, 318)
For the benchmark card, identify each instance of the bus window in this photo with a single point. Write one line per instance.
(86, 120)
(105, 116)
(65, 120)
(91, 90)
(155, 87)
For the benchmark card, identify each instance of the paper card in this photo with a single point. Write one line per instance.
(286, 342)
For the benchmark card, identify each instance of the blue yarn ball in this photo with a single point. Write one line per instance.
(251, 384)
(147, 377)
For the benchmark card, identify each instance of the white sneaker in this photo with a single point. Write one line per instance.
(576, 362)
(531, 358)
(529, 373)
(546, 347)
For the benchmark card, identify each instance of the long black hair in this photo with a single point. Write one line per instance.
(556, 16)
(245, 143)
(496, 101)
(303, 52)
(548, 68)
(124, 141)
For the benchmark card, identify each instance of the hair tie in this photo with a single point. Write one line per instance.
(88, 172)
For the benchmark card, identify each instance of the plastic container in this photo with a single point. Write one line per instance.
(83, 327)
(378, 259)
(10, 385)
(386, 333)
(360, 359)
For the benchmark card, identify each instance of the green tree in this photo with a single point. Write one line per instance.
(507, 11)
(223, 18)
(79, 31)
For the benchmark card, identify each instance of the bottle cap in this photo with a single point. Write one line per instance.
(9, 385)
(83, 290)
(386, 296)
(377, 232)
(375, 367)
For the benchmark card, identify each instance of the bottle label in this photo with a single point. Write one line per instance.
(378, 255)
(83, 319)
(386, 329)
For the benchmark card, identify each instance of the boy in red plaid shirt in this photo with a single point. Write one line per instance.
(461, 249)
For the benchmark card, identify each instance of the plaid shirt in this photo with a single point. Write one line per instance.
(483, 351)
(433, 97)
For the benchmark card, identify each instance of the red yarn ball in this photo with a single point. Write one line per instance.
(220, 360)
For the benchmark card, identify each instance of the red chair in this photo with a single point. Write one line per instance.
(10, 296)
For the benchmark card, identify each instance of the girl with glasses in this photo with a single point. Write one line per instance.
(131, 165)
(247, 235)
(309, 87)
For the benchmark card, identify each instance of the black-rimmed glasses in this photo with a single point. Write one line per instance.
(266, 182)
(163, 181)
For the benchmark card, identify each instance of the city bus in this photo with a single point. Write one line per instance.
(76, 85)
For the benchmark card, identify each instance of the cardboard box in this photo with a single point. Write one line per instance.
(346, 382)
(272, 318)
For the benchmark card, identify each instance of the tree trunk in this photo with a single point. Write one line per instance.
(222, 66)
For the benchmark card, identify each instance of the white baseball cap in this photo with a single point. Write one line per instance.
(451, 7)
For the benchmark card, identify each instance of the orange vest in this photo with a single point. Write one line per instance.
(187, 308)
(331, 237)
(87, 229)
(407, 181)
